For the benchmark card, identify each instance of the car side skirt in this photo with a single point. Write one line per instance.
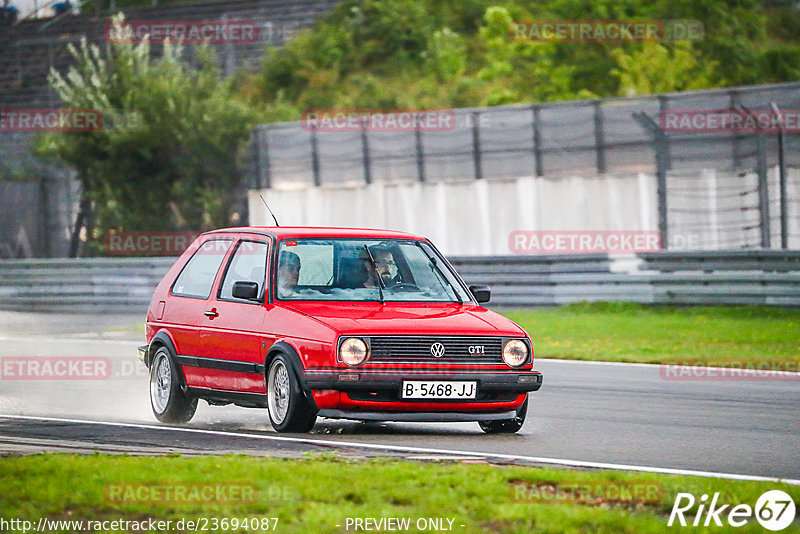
(221, 397)
(220, 364)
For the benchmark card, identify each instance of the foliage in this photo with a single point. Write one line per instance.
(165, 157)
(656, 69)
(439, 53)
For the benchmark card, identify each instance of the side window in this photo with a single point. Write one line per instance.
(197, 276)
(248, 264)
(303, 266)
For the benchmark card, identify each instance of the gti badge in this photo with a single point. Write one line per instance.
(437, 350)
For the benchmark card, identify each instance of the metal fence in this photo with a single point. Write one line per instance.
(33, 47)
(37, 201)
(729, 277)
(581, 137)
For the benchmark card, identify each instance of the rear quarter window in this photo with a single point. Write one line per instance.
(198, 275)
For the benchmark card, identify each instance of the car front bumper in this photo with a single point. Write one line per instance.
(377, 395)
(355, 380)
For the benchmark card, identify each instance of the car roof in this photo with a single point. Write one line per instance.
(288, 232)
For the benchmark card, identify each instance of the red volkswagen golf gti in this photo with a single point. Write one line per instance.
(332, 322)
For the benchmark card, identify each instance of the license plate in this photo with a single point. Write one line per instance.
(439, 390)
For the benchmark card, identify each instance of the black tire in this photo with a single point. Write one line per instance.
(506, 426)
(169, 403)
(288, 409)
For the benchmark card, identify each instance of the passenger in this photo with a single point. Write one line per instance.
(288, 274)
(384, 265)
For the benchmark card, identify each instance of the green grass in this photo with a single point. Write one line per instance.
(316, 493)
(624, 332)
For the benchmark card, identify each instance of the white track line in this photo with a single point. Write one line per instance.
(657, 365)
(424, 450)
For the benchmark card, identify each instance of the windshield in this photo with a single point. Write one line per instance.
(389, 270)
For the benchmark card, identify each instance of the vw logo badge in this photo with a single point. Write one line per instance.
(437, 350)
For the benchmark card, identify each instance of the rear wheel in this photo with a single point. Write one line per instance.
(169, 403)
(288, 409)
(506, 426)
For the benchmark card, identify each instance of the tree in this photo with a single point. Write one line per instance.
(657, 69)
(165, 157)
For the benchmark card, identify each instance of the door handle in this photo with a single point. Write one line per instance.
(211, 313)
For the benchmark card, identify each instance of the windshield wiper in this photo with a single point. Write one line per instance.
(375, 272)
(441, 274)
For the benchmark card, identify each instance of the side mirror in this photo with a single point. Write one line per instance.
(245, 290)
(481, 293)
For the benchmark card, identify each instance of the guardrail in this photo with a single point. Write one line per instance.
(92, 284)
(763, 277)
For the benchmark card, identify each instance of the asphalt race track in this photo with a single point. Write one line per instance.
(585, 414)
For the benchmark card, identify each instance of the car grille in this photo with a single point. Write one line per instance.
(417, 349)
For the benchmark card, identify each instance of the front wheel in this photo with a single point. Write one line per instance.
(288, 409)
(506, 426)
(169, 403)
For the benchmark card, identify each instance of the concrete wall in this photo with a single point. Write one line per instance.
(470, 218)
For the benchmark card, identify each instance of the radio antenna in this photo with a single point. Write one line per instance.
(270, 211)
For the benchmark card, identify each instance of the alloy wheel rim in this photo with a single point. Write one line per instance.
(160, 384)
(278, 392)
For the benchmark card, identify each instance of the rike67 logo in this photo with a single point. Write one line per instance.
(774, 510)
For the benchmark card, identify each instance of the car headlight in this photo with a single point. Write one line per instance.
(353, 351)
(515, 352)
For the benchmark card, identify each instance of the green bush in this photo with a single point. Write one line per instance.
(165, 157)
(410, 53)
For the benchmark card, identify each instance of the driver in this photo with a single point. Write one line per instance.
(384, 265)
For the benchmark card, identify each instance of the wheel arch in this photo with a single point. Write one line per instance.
(163, 339)
(295, 365)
